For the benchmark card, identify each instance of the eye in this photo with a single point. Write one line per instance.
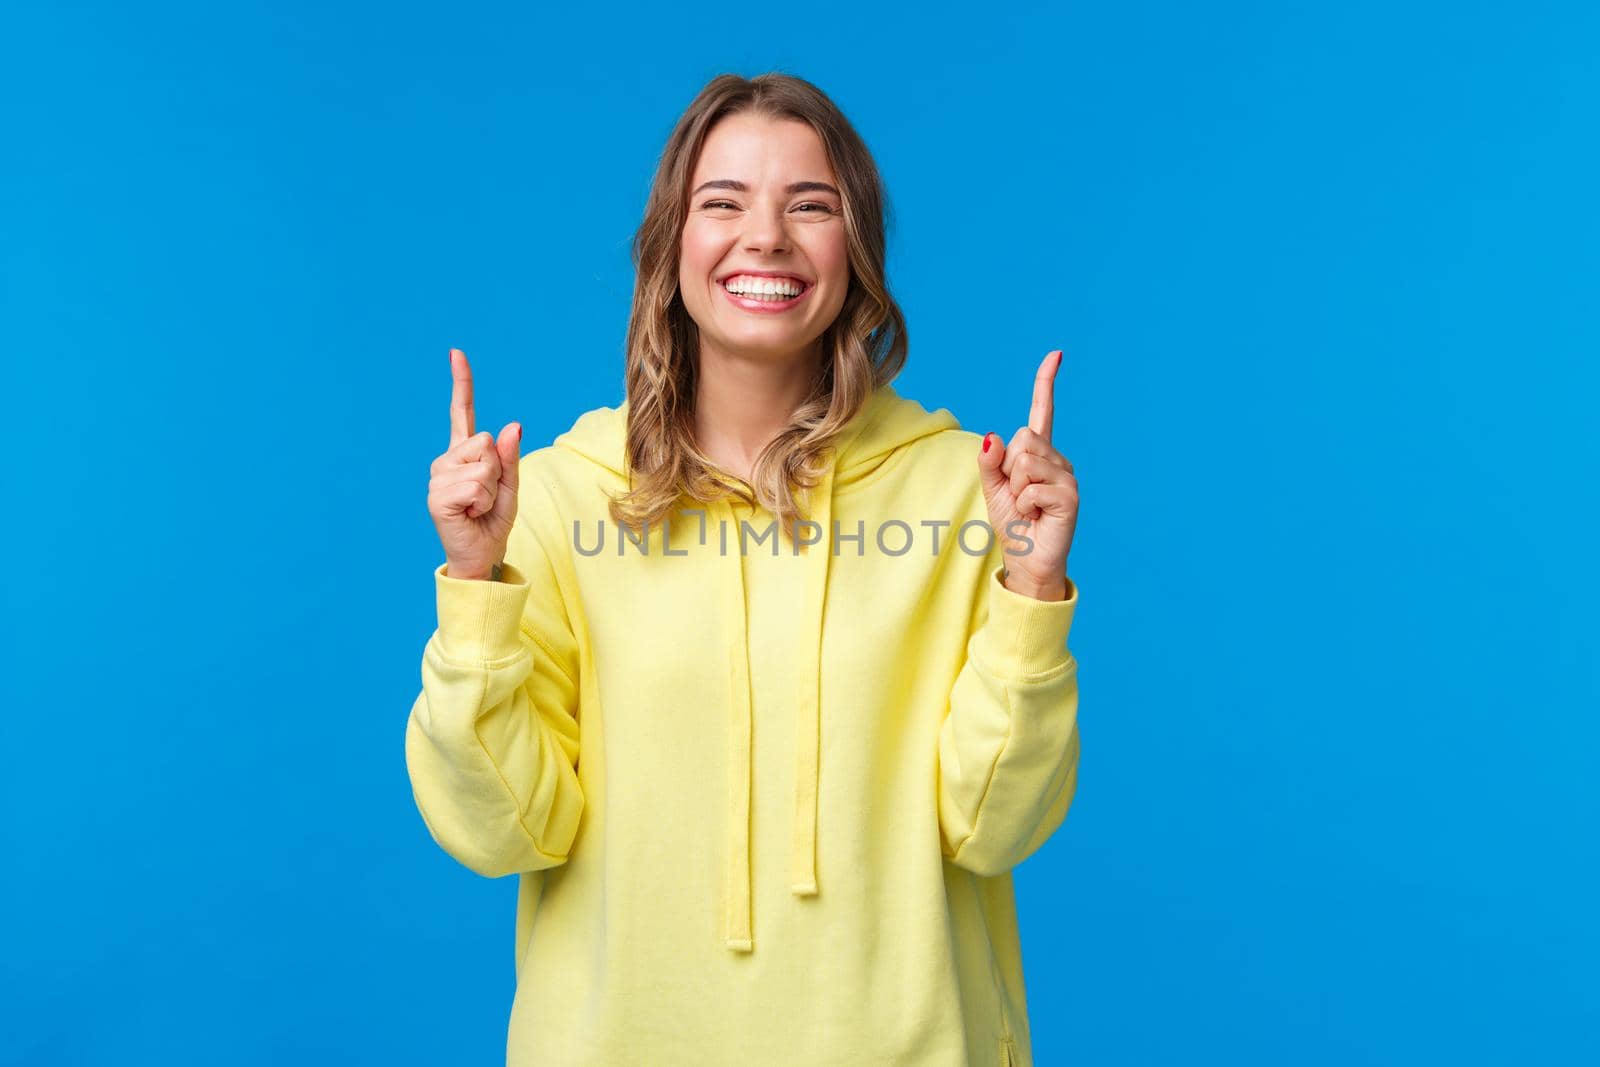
(729, 205)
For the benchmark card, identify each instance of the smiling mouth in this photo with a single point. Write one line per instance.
(773, 291)
(761, 302)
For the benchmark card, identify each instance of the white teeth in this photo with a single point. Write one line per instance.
(751, 285)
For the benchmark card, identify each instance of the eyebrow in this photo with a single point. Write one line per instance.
(793, 187)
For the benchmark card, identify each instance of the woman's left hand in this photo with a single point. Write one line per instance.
(1028, 483)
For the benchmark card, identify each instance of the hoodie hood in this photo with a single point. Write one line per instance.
(886, 423)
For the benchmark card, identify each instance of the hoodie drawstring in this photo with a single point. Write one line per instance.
(737, 932)
(803, 868)
(736, 907)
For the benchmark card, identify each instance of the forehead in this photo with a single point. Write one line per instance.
(754, 148)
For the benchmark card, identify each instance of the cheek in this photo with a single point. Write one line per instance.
(831, 256)
(697, 256)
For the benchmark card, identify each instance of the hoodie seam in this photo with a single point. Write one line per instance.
(881, 471)
(1049, 674)
(476, 663)
(994, 768)
(554, 656)
(897, 456)
(517, 806)
(1058, 782)
(550, 562)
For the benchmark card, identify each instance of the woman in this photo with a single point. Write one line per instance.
(758, 679)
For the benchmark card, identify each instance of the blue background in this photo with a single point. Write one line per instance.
(1325, 276)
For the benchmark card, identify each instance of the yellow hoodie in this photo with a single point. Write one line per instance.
(764, 805)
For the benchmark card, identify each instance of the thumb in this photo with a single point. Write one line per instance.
(509, 445)
(991, 453)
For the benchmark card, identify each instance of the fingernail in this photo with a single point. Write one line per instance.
(986, 442)
(519, 431)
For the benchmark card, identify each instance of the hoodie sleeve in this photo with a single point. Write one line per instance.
(1008, 746)
(492, 739)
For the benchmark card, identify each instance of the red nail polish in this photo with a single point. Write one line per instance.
(986, 442)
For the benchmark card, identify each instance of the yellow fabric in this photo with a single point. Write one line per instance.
(631, 733)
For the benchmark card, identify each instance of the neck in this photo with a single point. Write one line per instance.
(741, 404)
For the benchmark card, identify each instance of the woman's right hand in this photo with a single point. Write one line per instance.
(473, 492)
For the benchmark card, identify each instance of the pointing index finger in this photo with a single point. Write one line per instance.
(1042, 414)
(461, 423)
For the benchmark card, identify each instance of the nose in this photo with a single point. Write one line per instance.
(764, 231)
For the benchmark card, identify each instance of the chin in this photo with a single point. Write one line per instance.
(777, 342)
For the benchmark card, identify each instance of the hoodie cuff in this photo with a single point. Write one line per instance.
(480, 620)
(1024, 637)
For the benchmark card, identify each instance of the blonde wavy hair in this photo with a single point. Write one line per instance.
(863, 348)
